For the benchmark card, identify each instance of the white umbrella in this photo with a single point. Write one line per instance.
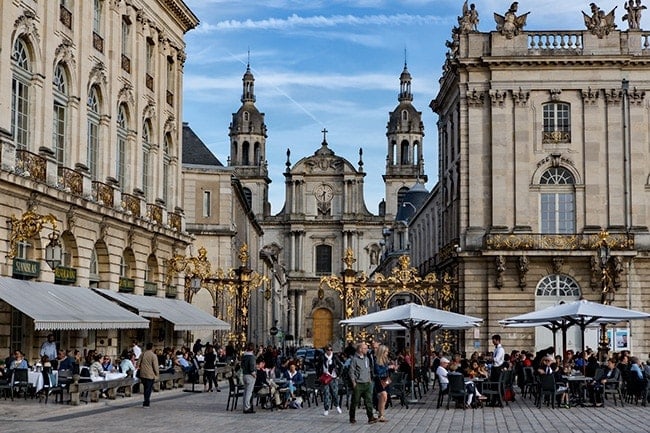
(581, 313)
(414, 316)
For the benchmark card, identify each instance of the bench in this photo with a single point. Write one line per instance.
(76, 389)
(169, 380)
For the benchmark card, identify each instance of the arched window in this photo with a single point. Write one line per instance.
(93, 276)
(20, 88)
(245, 157)
(557, 123)
(249, 197)
(121, 151)
(93, 132)
(558, 285)
(257, 152)
(405, 157)
(323, 260)
(146, 163)
(60, 115)
(166, 168)
(246, 116)
(393, 149)
(557, 201)
(400, 196)
(405, 115)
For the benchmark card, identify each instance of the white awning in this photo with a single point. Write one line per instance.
(54, 306)
(183, 315)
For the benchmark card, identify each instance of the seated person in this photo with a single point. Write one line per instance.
(442, 373)
(477, 370)
(638, 381)
(265, 386)
(19, 361)
(126, 364)
(96, 370)
(548, 367)
(65, 361)
(107, 364)
(294, 380)
(596, 387)
(183, 362)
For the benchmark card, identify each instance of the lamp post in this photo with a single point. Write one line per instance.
(29, 225)
(236, 283)
(607, 291)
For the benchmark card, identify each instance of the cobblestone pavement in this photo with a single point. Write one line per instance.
(176, 411)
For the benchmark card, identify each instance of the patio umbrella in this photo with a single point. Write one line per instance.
(414, 316)
(580, 313)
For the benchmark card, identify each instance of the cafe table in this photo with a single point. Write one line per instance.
(578, 387)
(35, 378)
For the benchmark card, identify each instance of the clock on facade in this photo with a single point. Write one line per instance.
(323, 192)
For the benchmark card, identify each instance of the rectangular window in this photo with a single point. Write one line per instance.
(93, 146)
(97, 16)
(323, 260)
(145, 173)
(150, 56)
(165, 186)
(557, 123)
(22, 250)
(121, 163)
(20, 114)
(207, 204)
(58, 133)
(126, 32)
(557, 213)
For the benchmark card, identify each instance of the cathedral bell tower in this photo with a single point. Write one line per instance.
(248, 148)
(404, 162)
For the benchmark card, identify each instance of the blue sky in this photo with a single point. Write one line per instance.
(331, 64)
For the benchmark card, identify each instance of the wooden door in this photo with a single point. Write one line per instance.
(323, 323)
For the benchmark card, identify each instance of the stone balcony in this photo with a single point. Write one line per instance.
(42, 168)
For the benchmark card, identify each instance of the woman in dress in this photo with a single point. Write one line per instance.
(382, 379)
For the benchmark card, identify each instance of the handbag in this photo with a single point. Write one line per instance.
(325, 379)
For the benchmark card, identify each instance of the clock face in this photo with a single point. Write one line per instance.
(323, 192)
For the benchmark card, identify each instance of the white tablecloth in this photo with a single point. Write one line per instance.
(108, 376)
(36, 379)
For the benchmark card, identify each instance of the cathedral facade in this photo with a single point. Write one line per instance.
(324, 215)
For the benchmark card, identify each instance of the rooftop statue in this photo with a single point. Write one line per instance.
(633, 15)
(510, 25)
(468, 22)
(598, 23)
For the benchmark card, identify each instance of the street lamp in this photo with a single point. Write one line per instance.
(607, 291)
(53, 250)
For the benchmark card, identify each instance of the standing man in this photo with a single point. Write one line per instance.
(148, 372)
(136, 350)
(48, 348)
(498, 358)
(361, 383)
(250, 372)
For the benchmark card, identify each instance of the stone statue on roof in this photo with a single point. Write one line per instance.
(468, 21)
(509, 25)
(633, 15)
(598, 23)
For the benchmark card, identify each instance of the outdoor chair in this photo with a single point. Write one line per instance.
(398, 387)
(20, 381)
(529, 384)
(6, 388)
(310, 389)
(613, 388)
(441, 394)
(494, 390)
(344, 392)
(549, 389)
(235, 391)
(456, 390)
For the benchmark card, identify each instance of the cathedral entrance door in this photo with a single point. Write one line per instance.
(323, 327)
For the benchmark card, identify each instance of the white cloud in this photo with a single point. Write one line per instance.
(318, 21)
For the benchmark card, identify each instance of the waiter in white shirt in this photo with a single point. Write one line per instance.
(498, 357)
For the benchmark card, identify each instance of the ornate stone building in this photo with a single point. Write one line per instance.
(90, 140)
(543, 147)
(324, 215)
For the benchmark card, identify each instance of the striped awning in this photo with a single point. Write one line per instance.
(184, 316)
(54, 306)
